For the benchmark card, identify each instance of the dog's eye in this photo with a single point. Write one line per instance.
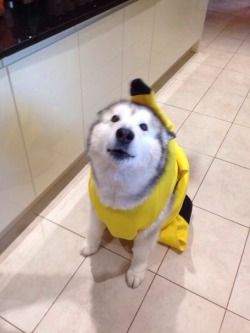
(115, 119)
(144, 127)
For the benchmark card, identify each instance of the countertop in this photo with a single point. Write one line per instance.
(26, 22)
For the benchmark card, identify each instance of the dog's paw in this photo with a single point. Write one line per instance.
(134, 279)
(89, 250)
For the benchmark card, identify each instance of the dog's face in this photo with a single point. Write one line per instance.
(128, 134)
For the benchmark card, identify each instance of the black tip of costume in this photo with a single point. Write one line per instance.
(186, 209)
(138, 87)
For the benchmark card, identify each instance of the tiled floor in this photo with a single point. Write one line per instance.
(46, 286)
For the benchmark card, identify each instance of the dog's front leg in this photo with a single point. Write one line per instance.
(143, 245)
(95, 230)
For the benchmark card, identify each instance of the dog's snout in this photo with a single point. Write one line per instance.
(124, 135)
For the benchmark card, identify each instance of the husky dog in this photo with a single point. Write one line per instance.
(128, 150)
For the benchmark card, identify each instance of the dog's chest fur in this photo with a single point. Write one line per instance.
(121, 188)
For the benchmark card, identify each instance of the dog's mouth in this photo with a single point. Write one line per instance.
(119, 154)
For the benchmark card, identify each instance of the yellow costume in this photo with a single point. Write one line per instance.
(126, 223)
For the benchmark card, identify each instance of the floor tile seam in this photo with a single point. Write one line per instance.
(232, 54)
(195, 151)
(221, 216)
(244, 126)
(209, 86)
(191, 291)
(101, 246)
(213, 117)
(241, 108)
(225, 120)
(226, 26)
(223, 140)
(143, 299)
(177, 107)
(237, 314)
(10, 323)
(196, 82)
(222, 322)
(129, 259)
(191, 111)
(118, 254)
(239, 265)
(47, 220)
(232, 163)
(235, 71)
(60, 293)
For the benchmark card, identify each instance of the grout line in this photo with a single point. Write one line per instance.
(238, 165)
(192, 292)
(236, 275)
(222, 322)
(147, 291)
(223, 217)
(11, 324)
(56, 298)
(156, 273)
(63, 227)
(238, 315)
(141, 303)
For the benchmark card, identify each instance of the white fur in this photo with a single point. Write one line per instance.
(119, 183)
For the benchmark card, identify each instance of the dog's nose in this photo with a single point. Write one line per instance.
(124, 135)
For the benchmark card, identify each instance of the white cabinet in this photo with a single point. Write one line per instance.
(138, 35)
(16, 189)
(47, 88)
(101, 64)
(178, 25)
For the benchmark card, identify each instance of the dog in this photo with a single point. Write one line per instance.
(130, 150)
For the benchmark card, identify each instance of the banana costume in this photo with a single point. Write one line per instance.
(126, 223)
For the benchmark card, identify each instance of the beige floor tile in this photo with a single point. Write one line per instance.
(226, 44)
(239, 63)
(235, 324)
(240, 300)
(198, 165)
(7, 328)
(236, 147)
(245, 48)
(170, 308)
(207, 38)
(73, 210)
(197, 73)
(243, 117)
(225, 191)
(234, 32)
(233, 82)
(176, 115)
(202, 134)
(59, 191)
(35, 273)
(209, 264)
(183, 94)
(220, 104)
(218, 18)
(213, 57)
(124, 248)
(97, 299)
